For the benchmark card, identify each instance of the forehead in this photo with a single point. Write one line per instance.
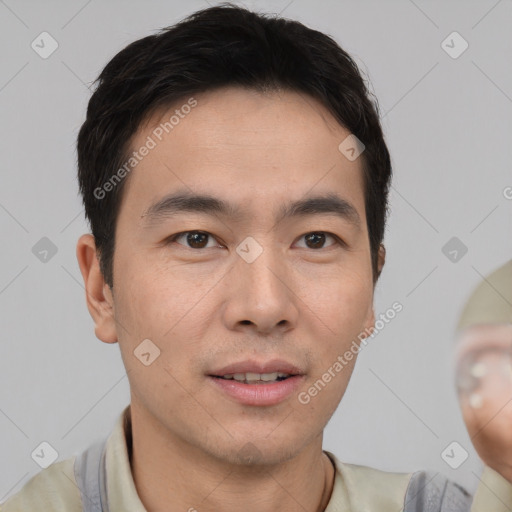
(243, 143)
(232, 116)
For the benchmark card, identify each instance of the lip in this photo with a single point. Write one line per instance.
(270, 393)
(251, 366)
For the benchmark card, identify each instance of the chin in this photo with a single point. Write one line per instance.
(253, 452)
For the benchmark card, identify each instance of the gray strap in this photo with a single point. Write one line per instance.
(90, 475)
(429, 491)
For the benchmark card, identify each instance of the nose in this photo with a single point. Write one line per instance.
(261, 296)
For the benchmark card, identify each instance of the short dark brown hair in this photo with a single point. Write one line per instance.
(221, 46)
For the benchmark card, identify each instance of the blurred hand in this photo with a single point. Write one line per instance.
(484, 382)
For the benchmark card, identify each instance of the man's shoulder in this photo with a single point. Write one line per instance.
(387, 490)
(372, 486)
(53, 489)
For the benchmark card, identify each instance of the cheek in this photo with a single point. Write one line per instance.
(154, 296)
(341, 301)
(163, 307)
(321, 396)
(341, 307)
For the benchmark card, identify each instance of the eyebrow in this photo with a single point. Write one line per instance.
(184, 201)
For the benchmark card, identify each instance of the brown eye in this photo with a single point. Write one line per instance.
(316, 239)
(193, 239)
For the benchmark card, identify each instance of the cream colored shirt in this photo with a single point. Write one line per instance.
(356, 488)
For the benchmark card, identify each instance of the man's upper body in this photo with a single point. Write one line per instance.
(235, 174)
(101, 480)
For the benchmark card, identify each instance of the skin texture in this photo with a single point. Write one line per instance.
(486, 399)
(205, 308)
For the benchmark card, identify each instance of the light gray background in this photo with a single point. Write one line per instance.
(448, 125)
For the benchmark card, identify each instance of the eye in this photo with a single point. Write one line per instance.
(199, 239)
(193, 239)
(316, 239)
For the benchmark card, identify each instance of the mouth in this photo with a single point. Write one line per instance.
(251, 383)
(255, 378)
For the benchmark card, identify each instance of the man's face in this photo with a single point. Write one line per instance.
(203, 300)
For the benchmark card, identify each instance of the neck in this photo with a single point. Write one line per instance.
(170, 474)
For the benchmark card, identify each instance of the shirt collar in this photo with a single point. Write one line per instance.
(121, 490)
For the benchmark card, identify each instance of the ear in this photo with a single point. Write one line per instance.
(381, 259)
(100, 301)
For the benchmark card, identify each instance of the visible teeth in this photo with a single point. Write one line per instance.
(255, 377)
(249, 376)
